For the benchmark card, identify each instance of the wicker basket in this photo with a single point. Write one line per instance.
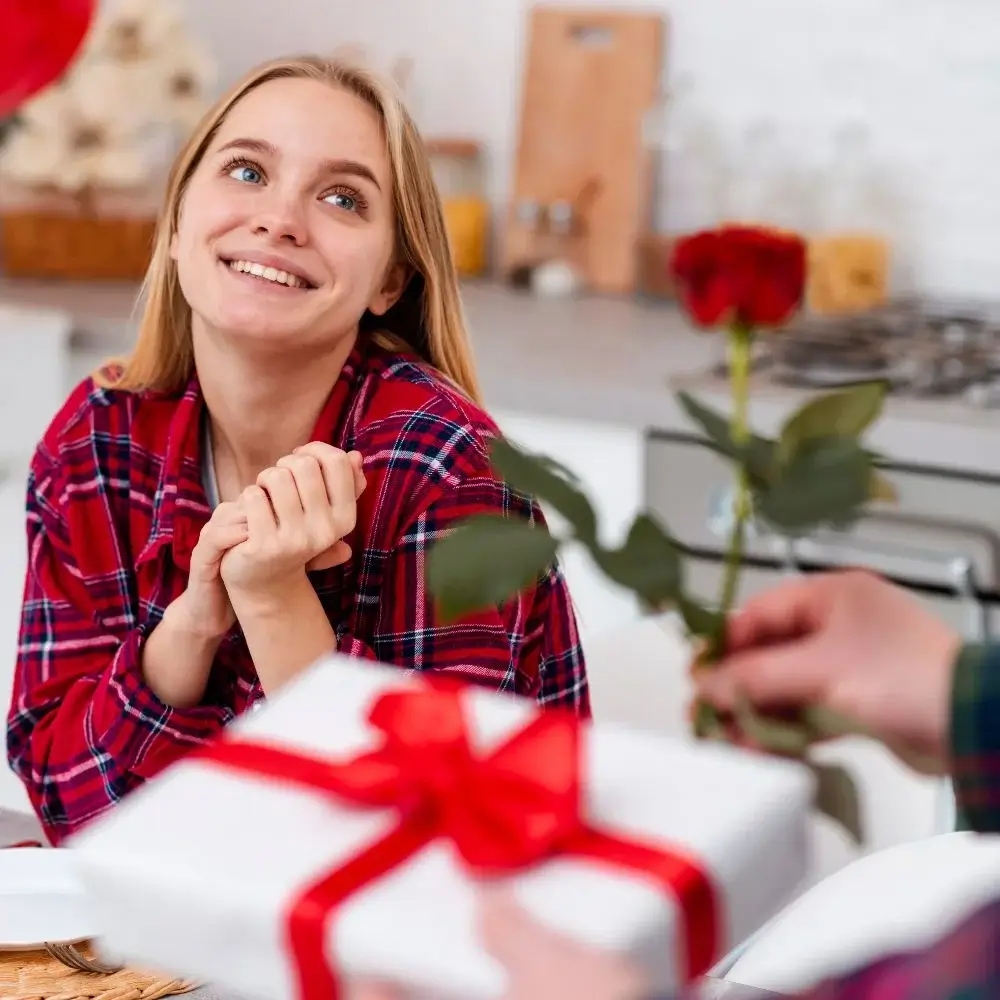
(98, 237)
(34, 975)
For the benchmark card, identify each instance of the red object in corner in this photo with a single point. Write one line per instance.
(38, 40)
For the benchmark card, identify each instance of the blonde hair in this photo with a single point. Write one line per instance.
(427, 319)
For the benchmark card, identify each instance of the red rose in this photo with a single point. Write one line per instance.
(740, 274)
(38, 40)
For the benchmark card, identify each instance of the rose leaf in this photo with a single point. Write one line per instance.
(486, 560)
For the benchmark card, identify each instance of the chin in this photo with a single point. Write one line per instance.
(278, 332)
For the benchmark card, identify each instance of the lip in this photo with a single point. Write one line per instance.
(276, 261)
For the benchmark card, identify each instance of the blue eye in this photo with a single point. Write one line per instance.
(247, 174)
(341, 200)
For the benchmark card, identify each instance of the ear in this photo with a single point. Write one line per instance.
(394, 284)
(173, 246)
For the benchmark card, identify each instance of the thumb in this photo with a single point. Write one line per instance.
(336, 555)
(786, 674)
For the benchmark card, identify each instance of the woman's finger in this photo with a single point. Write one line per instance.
(357, 464)
(261, 522)
(220, 538)
(307, 475)
(279, 484)
(228, 513)
(338, 470)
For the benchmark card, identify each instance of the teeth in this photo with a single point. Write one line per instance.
(267, 273)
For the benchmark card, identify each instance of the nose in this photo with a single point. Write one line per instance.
(281, 218)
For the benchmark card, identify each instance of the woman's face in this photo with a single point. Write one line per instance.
(286, 231)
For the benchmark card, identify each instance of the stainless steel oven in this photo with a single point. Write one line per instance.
(941, 540)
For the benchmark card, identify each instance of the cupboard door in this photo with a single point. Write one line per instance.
(608, 461)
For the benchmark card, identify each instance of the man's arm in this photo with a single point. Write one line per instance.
(975, 737)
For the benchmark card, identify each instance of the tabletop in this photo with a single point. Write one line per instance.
(712, 989)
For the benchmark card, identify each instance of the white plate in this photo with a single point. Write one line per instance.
(41, 900)
(894, 900)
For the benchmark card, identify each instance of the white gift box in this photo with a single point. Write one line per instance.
(195, 873)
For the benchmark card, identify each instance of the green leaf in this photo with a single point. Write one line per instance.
(756, 454)
(701, 621)
(827, 725)
(486, 560)
(549, 482)
(846, 413)
(707, 724)
(788, 738)
(881, 488)
(649, 563)
(827, 482)
(837, 797)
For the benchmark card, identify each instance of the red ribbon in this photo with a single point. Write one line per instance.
(504, 811)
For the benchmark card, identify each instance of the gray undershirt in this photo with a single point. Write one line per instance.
(208, 480)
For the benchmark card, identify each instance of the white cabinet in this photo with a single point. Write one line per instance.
(34, 359)
(608, 460)
(13, 559)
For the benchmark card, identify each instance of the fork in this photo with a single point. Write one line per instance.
(71, 956)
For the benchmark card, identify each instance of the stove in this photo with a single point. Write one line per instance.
(922, 349)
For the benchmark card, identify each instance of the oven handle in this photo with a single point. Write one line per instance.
(958, 570)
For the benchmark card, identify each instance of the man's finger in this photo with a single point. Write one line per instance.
(792, 608)
(782, 675)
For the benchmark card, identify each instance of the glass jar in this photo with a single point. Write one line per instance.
(459, 172)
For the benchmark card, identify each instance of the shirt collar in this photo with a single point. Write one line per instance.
(180, 506)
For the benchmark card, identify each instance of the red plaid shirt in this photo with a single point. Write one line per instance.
(115, 505)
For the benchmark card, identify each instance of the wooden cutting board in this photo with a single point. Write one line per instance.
(591, 76)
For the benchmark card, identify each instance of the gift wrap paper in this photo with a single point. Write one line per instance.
(193, 874)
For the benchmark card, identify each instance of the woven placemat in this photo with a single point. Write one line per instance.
(34, 975)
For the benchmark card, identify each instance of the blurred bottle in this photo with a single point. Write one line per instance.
(692, 168)
(752, 197)
(852, 203)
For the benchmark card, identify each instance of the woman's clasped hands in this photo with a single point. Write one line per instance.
(293, 519)
(297, 515)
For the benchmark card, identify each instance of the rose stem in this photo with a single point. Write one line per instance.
(740, 341)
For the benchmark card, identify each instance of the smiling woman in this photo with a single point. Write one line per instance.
(258, 483)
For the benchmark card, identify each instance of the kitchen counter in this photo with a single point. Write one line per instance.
(598, 359)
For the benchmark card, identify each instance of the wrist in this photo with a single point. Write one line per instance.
(951, 658)
(279, 599)
(185, 618)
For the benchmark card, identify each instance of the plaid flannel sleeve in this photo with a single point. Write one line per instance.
(975, 737)
(528, 645)
(84, 728)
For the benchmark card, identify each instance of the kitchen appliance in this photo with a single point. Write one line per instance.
(941, 539)
(923, 349)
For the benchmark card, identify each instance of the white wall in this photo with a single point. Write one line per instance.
(925, 74)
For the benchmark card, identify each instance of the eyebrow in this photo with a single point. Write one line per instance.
(332, 166)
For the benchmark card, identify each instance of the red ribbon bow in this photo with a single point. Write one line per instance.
(504, 811)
